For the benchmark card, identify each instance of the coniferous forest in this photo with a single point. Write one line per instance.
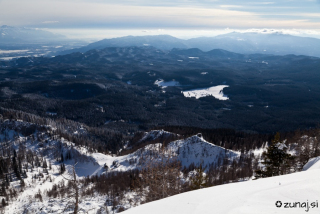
(104, 124)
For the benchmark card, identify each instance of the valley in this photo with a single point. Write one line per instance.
(121, 84)
(147, 124)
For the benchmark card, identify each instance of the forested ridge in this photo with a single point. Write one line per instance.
(50, 136)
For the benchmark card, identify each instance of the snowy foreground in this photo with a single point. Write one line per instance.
(190, 150)
(216, 91)
(246, 197)
(251, 197)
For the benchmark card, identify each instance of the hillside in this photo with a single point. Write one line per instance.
(244, 43)
(22, 35)
(138, 88)
(251, 197)
(42, 166)
(42, 173)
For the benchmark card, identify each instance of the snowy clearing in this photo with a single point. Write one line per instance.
(10, 58)
(12, 51)
(161, 83)
(215, 91)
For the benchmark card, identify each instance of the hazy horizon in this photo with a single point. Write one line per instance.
(180, 18)
(91, 35)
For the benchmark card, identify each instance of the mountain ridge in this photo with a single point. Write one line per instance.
(243, 43)
(23, 35)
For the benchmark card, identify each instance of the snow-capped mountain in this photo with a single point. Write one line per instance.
(198, 151)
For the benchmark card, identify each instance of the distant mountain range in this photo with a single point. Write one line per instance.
(22, 35)
(244, 43)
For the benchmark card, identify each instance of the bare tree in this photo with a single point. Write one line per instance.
(72, 177)
(161, 175)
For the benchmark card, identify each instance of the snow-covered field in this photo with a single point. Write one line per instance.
(10, 58)
(12, 51)
(216, 91)
(163, 84)
(300, 192)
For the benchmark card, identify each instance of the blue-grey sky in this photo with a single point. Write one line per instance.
(164, 14)
(161, 14)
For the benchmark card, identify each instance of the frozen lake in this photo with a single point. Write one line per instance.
(215, 91)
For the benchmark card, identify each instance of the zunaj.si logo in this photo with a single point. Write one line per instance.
(306, 205)
(278, 204)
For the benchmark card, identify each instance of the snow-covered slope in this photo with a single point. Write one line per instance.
(156, 134)
(245, 197)
(313, 164)
(190, 150)
(251, 197)
(198, 151)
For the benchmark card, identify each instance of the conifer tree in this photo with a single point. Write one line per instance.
(275, 158)
(44, 164)
(200, 180)
(3, 203)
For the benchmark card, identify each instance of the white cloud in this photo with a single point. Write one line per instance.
(101, 13)
(231, 6)
(50, 22)
(263, 3)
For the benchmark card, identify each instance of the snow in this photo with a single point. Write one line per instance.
(258, 152)
(215, 91)
(191, 150)
(281, 146)
(313, 164)
(198, 151)
(10, 58)
(12, 51)
(161, 83)
(51, 113)
(250, 197)
(155, 134)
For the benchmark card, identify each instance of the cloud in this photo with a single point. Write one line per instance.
(50, 22)
(231, 6)
(152, 14)
(263, 3)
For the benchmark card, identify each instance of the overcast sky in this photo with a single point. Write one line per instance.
(164, 14)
